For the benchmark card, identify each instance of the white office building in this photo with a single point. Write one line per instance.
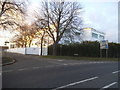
(90, 34)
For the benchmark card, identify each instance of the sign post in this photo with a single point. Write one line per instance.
(104, 45)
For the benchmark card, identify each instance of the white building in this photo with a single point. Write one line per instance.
(4, 38)
(90, 34)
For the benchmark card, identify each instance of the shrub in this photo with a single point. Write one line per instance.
(86, 49)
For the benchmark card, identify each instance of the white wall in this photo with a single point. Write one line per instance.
(32, 50)
(29, 50)
(17, 50)
(87, 35)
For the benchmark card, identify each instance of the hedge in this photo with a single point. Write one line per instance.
(86, 49)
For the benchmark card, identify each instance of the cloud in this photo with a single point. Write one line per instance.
(99, 14)
(103, 17)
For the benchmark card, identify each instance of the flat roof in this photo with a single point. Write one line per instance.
(93, 30)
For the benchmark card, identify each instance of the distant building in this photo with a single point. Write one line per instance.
(4, 38)
(90, 34)
(3, 48)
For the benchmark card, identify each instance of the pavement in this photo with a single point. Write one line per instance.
(36, 72)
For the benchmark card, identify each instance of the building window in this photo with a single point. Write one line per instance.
(94, 35)
(101, 37)
(11, 46)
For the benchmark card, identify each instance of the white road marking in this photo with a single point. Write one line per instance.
(71, 84)
(35, 67)
(60, 60)
(23, 69)
(58, 64)
(90, 62)
(97, 62)
(49, 66)
(94, 62)
(73, 63)
(55, 62)
(109, 85)
(65, 64)
(7, 71)
(85, 63)
(116, 72)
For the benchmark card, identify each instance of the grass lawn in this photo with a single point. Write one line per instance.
(81, 58)
(6, 60)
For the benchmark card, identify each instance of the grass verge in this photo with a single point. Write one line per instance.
(81, 58)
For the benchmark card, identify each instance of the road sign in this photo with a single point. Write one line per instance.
(104, 44)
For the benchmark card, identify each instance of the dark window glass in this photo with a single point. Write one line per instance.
(101, 37)
(94, 35)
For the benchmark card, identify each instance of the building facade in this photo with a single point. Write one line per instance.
(90, 34)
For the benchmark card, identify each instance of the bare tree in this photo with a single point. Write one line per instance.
(25, 35)
(11, 12)
(61, 17)
(42, 39)
(41, 26)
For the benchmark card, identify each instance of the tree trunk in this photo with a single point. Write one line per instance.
(41, 47)
(42, 42)
(54, 53)
(30, 43)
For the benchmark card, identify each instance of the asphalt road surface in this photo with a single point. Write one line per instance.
(36, 72)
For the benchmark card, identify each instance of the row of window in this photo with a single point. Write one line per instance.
(94, 35)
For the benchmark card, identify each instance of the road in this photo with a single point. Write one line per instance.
(36, 72)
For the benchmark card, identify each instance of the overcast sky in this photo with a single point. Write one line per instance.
(102, 16)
